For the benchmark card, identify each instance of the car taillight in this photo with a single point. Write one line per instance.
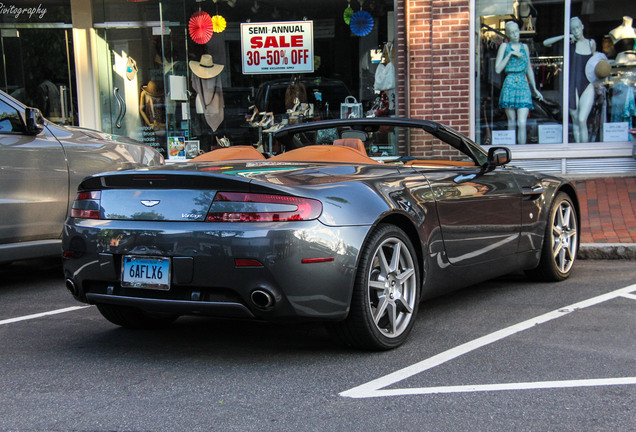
(253, 207)
(87, 205)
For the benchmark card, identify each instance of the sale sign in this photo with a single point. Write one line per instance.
(277, 47)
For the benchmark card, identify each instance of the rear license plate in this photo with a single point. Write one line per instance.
(145, 272)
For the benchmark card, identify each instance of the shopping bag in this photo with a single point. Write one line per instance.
(350, 108)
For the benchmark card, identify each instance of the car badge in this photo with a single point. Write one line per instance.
(150, 203)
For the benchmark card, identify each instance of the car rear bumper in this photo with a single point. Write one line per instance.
(205, 277)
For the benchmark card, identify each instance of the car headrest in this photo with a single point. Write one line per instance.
(354, 143)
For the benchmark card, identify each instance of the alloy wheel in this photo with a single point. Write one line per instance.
(565, 236)
(392, 287)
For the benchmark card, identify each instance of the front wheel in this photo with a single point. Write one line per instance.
(561, 242)
(385, 296)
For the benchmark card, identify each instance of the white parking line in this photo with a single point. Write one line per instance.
(630, 296)
(374, 388)
(40, 315)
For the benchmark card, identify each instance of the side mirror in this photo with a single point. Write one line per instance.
(498, 156)
(34, 121)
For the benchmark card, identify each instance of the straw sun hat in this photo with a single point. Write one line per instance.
(205, 68)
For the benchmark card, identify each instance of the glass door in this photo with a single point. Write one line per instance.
(40, 77)
(133, 61)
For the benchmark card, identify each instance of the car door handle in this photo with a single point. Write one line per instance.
(532, 191)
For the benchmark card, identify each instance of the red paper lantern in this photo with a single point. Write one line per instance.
(200, 27)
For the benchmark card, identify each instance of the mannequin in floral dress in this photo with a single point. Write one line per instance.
(519, 84)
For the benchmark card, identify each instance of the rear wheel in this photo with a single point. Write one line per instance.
(131, 317)
(385, 295)
(561, 242)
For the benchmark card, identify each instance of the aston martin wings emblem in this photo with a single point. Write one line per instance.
(150, 203)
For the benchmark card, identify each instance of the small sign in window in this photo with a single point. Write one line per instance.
(504, 137)
(613, 132)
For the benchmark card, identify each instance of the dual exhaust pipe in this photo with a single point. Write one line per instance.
(260, 298)
(70, 285)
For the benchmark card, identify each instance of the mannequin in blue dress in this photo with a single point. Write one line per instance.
(581, 92)
(519, 84)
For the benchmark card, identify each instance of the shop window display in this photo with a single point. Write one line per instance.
(44, 79)
(589, 94)
(297, 62)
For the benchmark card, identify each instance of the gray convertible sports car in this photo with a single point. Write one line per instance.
(352, 232)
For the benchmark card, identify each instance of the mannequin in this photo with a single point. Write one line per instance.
(516, 96)
(624, 39)
(207, 84)
(623, 31)
(580, 91)
(152, 106)
(525, 12)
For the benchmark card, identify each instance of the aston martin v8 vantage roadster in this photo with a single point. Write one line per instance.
(355, 232)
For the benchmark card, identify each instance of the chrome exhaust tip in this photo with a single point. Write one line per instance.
(70, 285)
(262, 299)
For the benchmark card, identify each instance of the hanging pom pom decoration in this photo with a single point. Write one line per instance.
(200, 27)
(348, 12)
(218, 23)
(361, 23)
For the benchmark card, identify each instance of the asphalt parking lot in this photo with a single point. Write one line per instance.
(504, 355)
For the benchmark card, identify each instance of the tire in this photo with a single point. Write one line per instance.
(560, 243)
(385, 295)
(134, 318)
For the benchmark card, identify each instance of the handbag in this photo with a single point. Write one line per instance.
(384, 77)
(350, 108)
(385, 72)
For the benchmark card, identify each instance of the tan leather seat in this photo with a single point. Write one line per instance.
(354, 143)
(230, 153)
(325, 153)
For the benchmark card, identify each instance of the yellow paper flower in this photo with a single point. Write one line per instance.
(218, 23)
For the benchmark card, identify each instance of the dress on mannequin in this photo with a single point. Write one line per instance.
(519, 85)
(207, 84)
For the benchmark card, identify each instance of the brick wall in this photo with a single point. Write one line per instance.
(435, 36)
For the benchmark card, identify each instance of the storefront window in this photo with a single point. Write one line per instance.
(37, 64)
(209, 74)
(530, 87)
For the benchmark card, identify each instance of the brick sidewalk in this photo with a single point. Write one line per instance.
(608, 209)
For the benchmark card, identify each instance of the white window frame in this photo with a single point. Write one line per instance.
(563, 150)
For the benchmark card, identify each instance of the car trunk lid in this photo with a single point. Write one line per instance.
(160, 196)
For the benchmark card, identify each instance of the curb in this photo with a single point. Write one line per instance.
(607, 251)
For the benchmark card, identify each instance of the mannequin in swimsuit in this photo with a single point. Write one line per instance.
(581, 92)
(519, 84)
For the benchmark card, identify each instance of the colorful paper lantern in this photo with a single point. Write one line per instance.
(200, 27)
(218, 23)
(361, 23)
